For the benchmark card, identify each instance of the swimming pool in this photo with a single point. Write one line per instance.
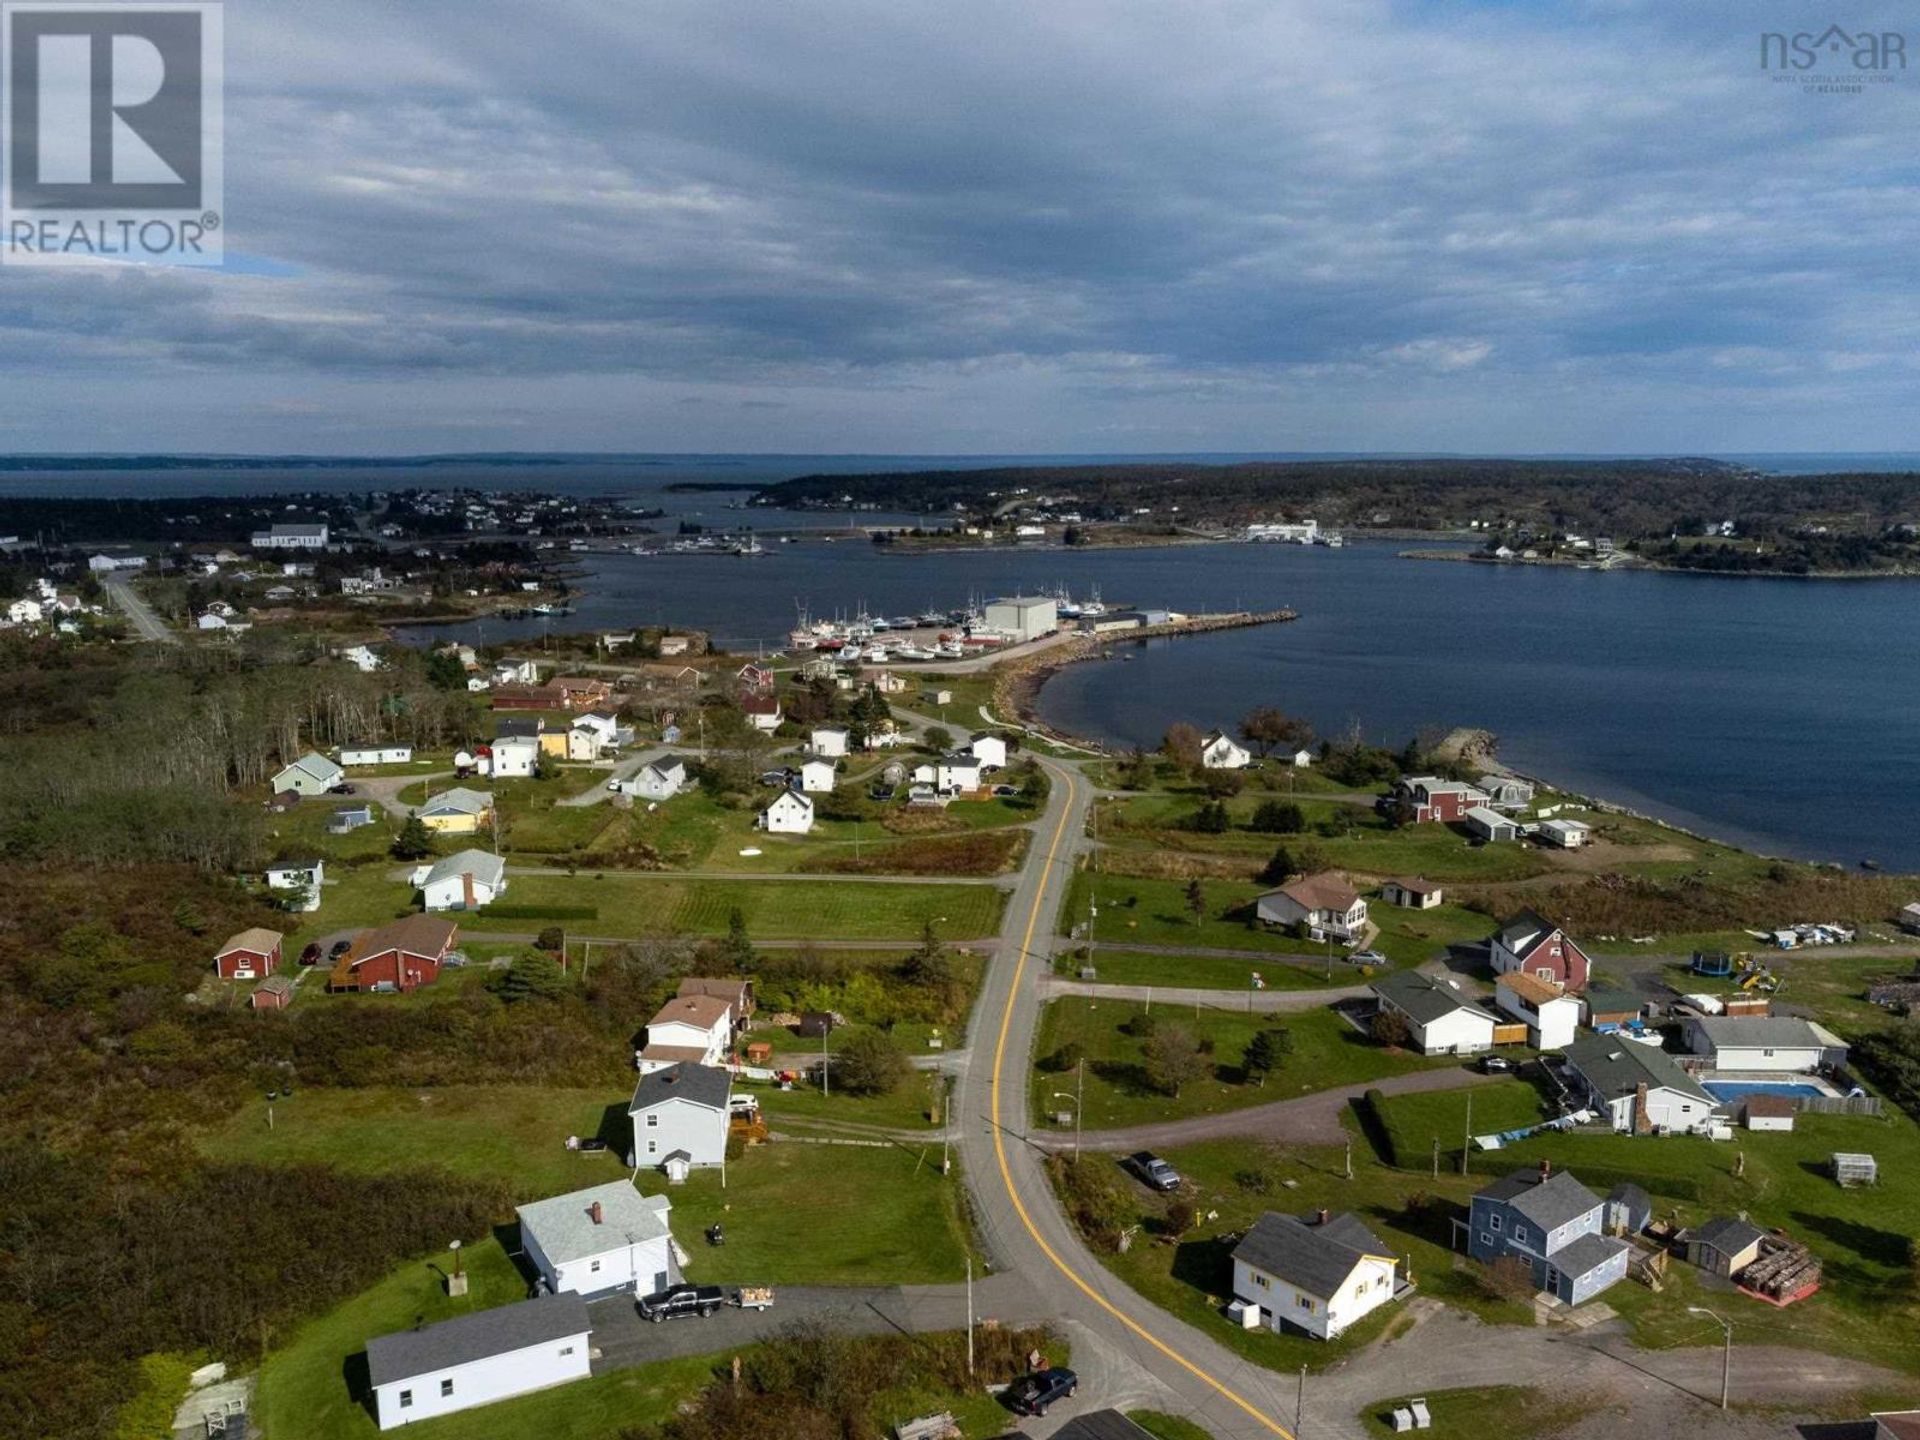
(1740, 1089)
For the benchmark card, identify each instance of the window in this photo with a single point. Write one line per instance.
(653, 1147)
(1495, 1221)
(593, 1267)
(406, 1399)
(446, 1388)
(566, 1349)
(653, 1120)
(1262, 1281)
(1486, 1239)
(1305, 1302)
(1520, 1234)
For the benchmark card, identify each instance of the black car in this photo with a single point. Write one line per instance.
(1154, 1171)
(342, 789)
(676, 1302)
(1032, 1394)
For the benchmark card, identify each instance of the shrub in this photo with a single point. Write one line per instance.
(869, 1063)
(1278, 817)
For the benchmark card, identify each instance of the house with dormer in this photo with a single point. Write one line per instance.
(1530, 943)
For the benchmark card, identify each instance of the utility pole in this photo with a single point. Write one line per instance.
(1079, 1104)
(1726, 1353)
(826, 1080)
(1436, 1157)
(1466, 1140)
(1349, 1159)
(1299, 1402)
(969, 1315)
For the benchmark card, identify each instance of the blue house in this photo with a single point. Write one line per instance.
(1556, 1225)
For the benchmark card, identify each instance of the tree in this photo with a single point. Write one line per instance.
(1221, 784)
(552, 939)
(1266, 1052)
(1279, 867)
(1182, 744)
(1266, 727)
(869, 1063)
(938, 739)
(1212, 818)
(737, 949)
(533, 976)
(445, 672)
(1508, 1278)
(1389, 1027)
(1278, 817)
(1173, 1059)
(414, 842)
(1196, 901)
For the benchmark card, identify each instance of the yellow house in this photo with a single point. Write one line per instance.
(456, 812)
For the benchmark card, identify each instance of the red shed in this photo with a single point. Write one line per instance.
(251, 955)
(273, 993)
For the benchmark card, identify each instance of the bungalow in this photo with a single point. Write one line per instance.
(515, 757)
(1564, 834)
(311, 774)
(829, 740)
(990, 750)
(762, 710)
(1413, 894)
(304, 877)
(1315, 1274)
(1440, 1019)
(1640, 1087)
(1556, 1225)
(1552, 1016)
(696, 1029)
(253, 954)
(377, 755)
(816, 775)
(1219, 752)
(1723, 1246)
(1329, 907)
(790, 814)
(1486, 823)
(737, 993)
(464, 881)
(681, 1110)
(273, 993)
(1764, 1042)
(959, 771)
(403, 956)
(660, 779)
(458, 811)
(1507, 792)
(477, 1359)
(516, 672)
(599, 1240)
(349, 818)
(1528, 942)
(1435, 799)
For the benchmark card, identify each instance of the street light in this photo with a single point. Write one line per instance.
(1726, 1355)
(1079, 1086)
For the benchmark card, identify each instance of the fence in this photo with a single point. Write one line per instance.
(1841, 1105)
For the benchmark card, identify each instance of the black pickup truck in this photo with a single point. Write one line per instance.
(677, 1302)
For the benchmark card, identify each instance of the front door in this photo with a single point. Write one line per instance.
(1553, 1281)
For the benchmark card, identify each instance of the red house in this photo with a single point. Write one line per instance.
(1530, 945)
(251, 955)
(402, 956)
(1434, 799)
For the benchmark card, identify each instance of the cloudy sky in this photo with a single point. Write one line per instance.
(1057, 227)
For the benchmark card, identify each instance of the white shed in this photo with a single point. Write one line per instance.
(477, 1359)
(790, 814)
(1486, 824)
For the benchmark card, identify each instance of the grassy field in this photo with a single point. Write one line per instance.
(301, 833)
(1490, 1412)
(1327, 1052)
(304, 1391)
(1414, 1122)
(1209, 972)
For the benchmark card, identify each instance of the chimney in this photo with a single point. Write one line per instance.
(596, 1213)
(466, 889)
(1320, 1217)
(1546, 1170)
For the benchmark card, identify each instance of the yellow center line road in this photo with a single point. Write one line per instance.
(1000, 1147)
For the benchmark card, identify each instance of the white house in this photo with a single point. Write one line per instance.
(689, 1029)
(362, 658)
(1764, 1043)
(515, 757)
(477, 1359)
(463, 881)
(1486, 823)
(1641, 1088)
(829, 740)
(599, 1240)
(1441, 1018)
(311, 774)
(1566, 834)
(24, 612)
(1326, 904)
(1412, 893)
(307, 875)
(789, 814)
(816, 775)
(681, 1110)
(291, 537)
(660, 779)
(516, 672)
(1316, 1274)
(762, 710)
(1300, 759)
(958, 771)
(1552, 1016)
(377, 755)
(990, 750)
(210, 621)
(1219, 752)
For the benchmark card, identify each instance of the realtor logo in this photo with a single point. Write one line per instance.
(111, 132)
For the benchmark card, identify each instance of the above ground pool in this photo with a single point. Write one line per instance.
(1740, 1089)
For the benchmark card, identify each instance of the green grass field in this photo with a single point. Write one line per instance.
(1490, 1412)
(1414, 1122)
(1210, 972)
(1327, 1052)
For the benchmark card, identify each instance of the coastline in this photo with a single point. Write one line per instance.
(1634, 563)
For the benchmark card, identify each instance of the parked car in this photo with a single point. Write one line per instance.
(311, 955)
(1495, 1065)
(1154, 1171)
(342, 789)
(677, 1302)
(1366, 957)
(1006, 791)
(1033, 1394)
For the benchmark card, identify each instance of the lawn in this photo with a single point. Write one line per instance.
(1207, 972)
(303, 1390)
(908, 1109)
(1154, 912)
(1327, 1052)
(636, 903)
(1490, 1412)
(1413, 1122)
(301, 833)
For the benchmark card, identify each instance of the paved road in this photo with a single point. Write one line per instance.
(384, 790)
(148, 624)
(527, 937)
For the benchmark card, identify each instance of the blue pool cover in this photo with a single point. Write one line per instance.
(1740, 1089)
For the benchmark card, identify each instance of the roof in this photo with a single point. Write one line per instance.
(1488, 817)
(1524, 931)
(1557, 824)
(665, 764)
(508, 727)
(1728, 1235)
(457, 801)
(674, 1054)
(1901, 1424)
(281, 866)
(316, 765)
(414, 934)
(1549, 1201)
(790, 795)
(1328, 890)
(1417, 885)
(734, 992)
(1771, 1107)
(1532, 988)
(1606, 1001)
(706, 1085)
(489, 870)
(1316, 1258)
(478, 1336)
(1617, 1067)
(1112, 1425)
(1586, 1253)
(564, 1228)
(702, 1011)
(276, 985)
(257, 939)
(760, 704)
(1631, 1195)
(1423, 998)
(1743, 1031)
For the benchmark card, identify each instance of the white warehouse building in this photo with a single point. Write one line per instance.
(1024, 617)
